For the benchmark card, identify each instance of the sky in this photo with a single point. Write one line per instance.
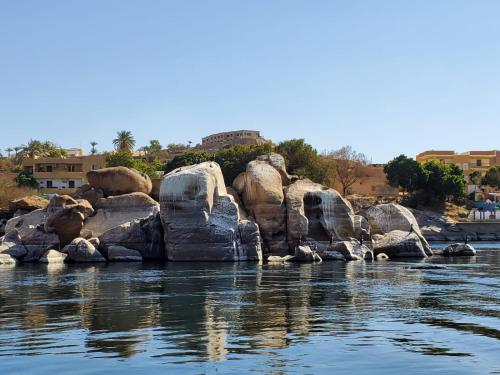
(386, 77)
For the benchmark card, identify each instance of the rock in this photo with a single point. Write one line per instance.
(81, 250)
(388, 217)
(278, 162)
(459, 249)
(317, 214)
(90, 194)
(7, 260)
(304, 254)
(381, 256)
(94, 241)
(351, 250)
(399, 244)
(53, 256)
(12, 245)
(30, 228)
(119, 180)
(123, 254)
(261, 190)
(117, 210)
(200, 219)
(65, 216)
(278, 259)
(144, 236)
(27, 204)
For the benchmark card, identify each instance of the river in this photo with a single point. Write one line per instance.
(212, 318)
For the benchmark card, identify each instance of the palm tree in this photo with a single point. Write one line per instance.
(124, 141)
(93, 150)
(9, 151)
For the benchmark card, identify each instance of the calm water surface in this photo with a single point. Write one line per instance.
(343, 318)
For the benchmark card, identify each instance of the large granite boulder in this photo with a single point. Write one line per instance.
(27, 204)
(119, 180)
(114, 211)
(200, 219)
(90, 194)
(7, 260)
(123, 254)
(388, 217)
(53, 256)
(261, 190)
(142, 235)
(11, 244)
(65, 216)
(399, 244)
(81, 250)
(317, 214)
(278, 162)
(35, 239)
(349, 250)
(459, 249)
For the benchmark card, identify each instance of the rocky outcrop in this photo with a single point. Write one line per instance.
(348, 250)
(12, 245)
(459, 249)
(278, 162)
(399, 244)
(65, 216)
(114, 211)
(303, 254)
(385, 218)
(30, 228)
(82, 251)
(317, 214)
(53, 256)
(90, 194)
(27, 204)
(119, 180)
(261, 190)
(200, 219)
(7, 260)
(123, 254)
(143, 235)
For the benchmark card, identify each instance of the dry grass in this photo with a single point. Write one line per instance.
(455, 213)
(10, 191)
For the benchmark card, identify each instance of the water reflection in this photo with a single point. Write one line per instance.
(210, 312)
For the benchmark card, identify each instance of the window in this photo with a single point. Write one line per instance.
(71, 168)
(71, 184)
(479, 162)
(49, 168)
(49, 184)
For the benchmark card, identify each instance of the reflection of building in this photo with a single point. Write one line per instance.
(469, 161)
(219, 141)
(62, 175)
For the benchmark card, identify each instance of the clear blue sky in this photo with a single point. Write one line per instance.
(386, 77)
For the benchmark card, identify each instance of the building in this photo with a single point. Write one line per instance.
(373, 182)
(62, 175)
(219, 141)
(470, 161)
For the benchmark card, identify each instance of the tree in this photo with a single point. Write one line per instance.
(444, 182)
(93, 150)
(36, 148)
(492, 177)
(124, 141)
(26, 179)
(348, 166)
(405, 173)
(9, 151)
(153, 151)
(122, 158)
(475, 177)
(300, 158)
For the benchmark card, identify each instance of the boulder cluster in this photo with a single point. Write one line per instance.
(265, 214)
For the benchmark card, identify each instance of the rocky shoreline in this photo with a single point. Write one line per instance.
(265, 215)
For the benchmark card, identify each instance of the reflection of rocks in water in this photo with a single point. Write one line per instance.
(123, 345)
(216, 332)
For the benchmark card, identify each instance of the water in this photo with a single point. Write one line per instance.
(202, 318)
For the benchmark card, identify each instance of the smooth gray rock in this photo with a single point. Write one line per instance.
(12, 245)
(459, 249)
(81, 250)
(53, 256)
(399, 244)
(123, 254)
(7, 260)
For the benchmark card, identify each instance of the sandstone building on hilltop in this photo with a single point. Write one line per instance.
(219, 141)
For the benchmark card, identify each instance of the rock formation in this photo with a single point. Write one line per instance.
(261, 190)
(200, 219)
(82, 251)
(119, 180)
(12, 245)
(53, 256)
(459, 249)
(27, 204)
(399, 244)
(65, 216)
